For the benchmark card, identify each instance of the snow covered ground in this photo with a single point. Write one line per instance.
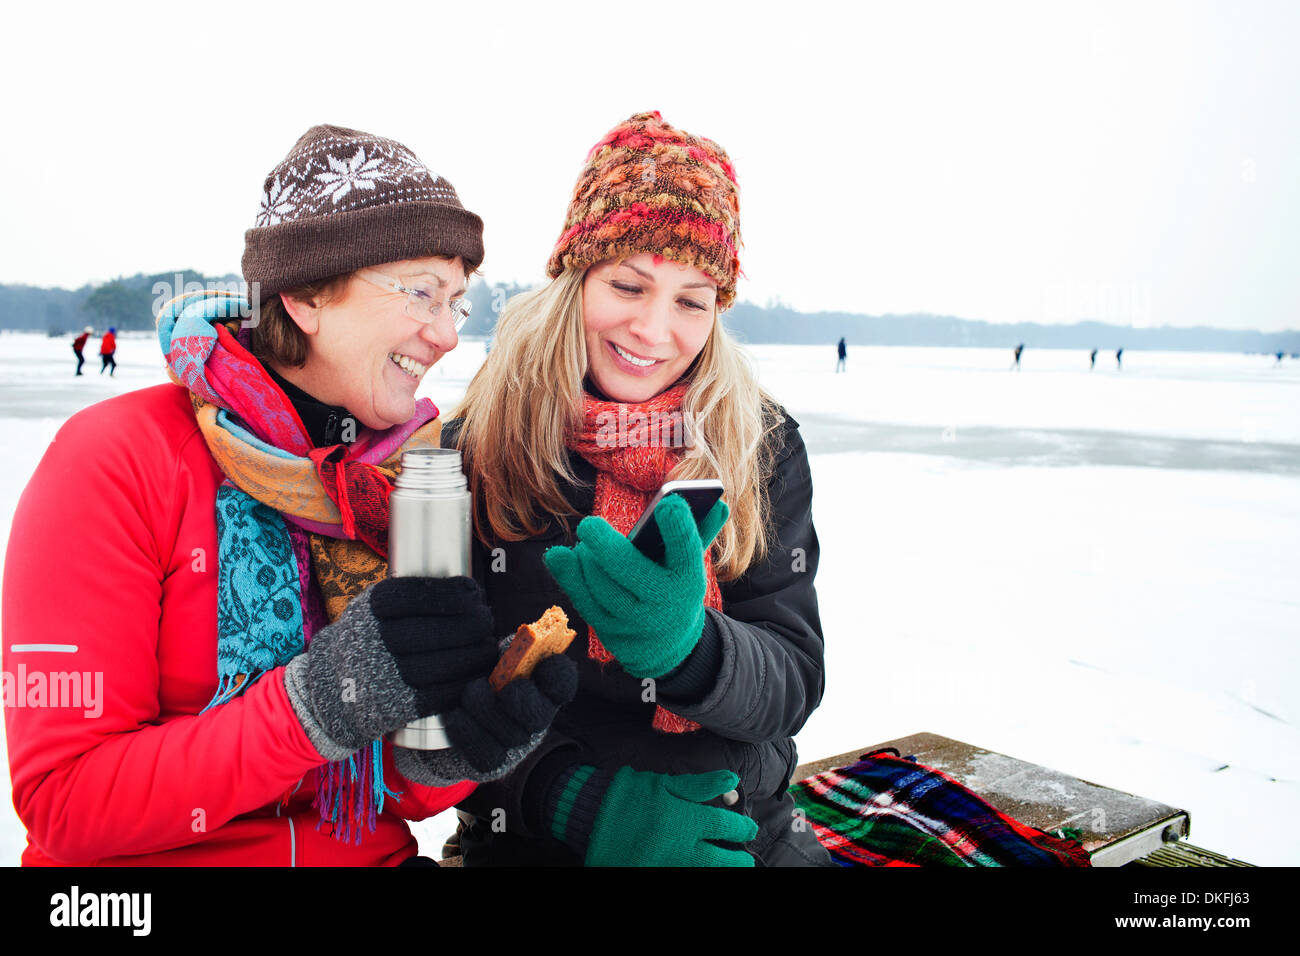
(1095, 571)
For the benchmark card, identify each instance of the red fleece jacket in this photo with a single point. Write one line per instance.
(113, 551)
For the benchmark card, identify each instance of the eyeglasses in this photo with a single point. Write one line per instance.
(423, 305)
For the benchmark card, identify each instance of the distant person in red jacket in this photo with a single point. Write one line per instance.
(78, 345)
(107, 346)
(220, 691)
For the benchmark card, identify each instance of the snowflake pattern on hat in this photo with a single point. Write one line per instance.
(346, 169)
(358, 172)
(275, 202)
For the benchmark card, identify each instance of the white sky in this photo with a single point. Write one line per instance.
(1133, 162)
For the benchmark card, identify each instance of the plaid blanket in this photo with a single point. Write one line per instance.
(886, 810)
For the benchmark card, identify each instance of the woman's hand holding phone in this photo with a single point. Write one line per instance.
(648, 614)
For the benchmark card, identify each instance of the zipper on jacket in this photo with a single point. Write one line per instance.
(293, 844)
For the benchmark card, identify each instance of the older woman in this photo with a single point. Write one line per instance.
(207, 558)
(696, 671)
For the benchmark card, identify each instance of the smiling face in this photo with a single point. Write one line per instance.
(645, 319)
(364, 352)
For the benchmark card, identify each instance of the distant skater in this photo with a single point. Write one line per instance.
(1119, 353)
(1279, 355)
(78, 344)
(1092, 360)
(1019, 348)
(107, 346)
(843, 351)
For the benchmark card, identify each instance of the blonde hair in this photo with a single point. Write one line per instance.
(528, 397)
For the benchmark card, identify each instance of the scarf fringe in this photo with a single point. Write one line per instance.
(352, 789)
(229, 686)
(350, 793)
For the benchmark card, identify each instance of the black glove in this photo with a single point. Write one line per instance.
(439, 631)
(491, 732)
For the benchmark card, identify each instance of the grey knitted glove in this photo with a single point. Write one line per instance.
(403, 648)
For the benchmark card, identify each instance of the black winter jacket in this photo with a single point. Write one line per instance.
(764, 678)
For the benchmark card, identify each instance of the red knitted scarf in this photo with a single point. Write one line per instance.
(631, 447)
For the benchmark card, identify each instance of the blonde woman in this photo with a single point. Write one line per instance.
(695, 672)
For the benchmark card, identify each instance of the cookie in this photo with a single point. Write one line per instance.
(549, 634)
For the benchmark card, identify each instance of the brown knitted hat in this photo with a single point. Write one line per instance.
(647, 187)
(343, 200)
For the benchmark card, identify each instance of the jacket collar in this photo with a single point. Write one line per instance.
(325, 423)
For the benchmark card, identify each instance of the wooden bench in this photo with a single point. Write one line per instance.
(1118, 828)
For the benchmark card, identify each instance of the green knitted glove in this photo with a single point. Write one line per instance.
(648, 615)
(654, 819)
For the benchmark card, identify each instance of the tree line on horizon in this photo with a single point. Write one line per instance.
(130, 303)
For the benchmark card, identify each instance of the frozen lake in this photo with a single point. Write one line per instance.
(1092, 570)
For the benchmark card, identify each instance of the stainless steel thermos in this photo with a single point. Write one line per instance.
(428, 536)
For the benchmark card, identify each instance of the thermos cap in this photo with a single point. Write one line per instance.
(435, 471)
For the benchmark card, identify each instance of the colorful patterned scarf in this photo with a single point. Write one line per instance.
(890, 811)
(634, 447)
(300, 530)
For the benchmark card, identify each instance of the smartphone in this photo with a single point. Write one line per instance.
(700, 493)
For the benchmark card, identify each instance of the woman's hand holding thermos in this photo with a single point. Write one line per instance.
(420, 644)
